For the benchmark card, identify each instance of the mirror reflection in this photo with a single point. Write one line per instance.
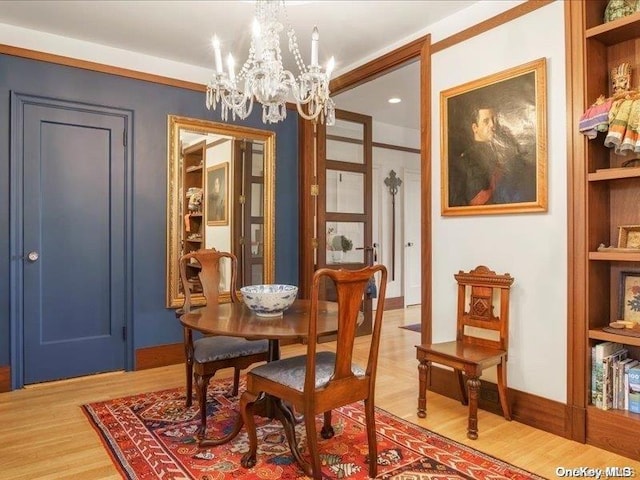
(220, 195)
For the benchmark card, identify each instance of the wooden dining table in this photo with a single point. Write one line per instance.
(237, 320)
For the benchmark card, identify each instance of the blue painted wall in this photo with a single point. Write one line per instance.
(151, 103)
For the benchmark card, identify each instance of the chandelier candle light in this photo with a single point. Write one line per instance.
(264, 79)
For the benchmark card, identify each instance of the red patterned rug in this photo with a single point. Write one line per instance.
(152, 436)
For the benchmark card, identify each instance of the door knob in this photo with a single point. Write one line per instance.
(33, 256)
(410, 244)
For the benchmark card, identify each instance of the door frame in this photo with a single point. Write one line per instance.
(16, 241)
(418, 50)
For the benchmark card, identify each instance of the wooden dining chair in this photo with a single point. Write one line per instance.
(318, 382)
(481, 341)
(206, 355)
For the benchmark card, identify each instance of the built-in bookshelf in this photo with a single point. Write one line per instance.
(603, 196)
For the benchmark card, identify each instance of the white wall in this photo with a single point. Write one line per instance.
(531, 247)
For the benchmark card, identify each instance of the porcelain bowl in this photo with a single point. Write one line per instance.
(269, 300)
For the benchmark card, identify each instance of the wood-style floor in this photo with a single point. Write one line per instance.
(45, 435)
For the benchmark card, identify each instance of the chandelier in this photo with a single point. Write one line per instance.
(263, 78)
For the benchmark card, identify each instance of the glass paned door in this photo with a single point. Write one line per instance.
(345, 199)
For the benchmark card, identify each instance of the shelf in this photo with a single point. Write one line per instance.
(617, 31)
(615, 256)
(598, 334)
(195, 214)
(614, 173)
(194, 168)
(194, 240)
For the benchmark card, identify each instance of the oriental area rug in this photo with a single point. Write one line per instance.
(152, 435)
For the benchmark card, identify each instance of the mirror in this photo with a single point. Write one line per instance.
(220, 194)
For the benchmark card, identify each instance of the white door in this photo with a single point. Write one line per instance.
(412, 269)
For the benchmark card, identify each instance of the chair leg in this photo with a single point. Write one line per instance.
(474, 388)
(312, 445)
(327, 429)
(502, 388)
(236, 381)
(188, 364)
(201, 390)
(246, 409)
(463, 388)
(423, 381)
(189, 386)
(370, 414)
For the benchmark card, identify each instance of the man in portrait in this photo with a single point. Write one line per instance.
(493, 168)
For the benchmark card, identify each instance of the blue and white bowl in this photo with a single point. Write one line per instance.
(269, 300)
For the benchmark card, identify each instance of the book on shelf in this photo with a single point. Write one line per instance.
(634, 389)
(625, 381)
(618, 383)
(598, 353)
(610, 367)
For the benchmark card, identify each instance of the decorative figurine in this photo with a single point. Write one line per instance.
(621, 78)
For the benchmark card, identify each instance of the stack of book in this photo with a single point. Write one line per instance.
(615, 378)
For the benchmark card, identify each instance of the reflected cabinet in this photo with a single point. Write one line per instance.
(220, 194)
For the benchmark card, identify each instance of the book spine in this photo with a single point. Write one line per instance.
(634, 389)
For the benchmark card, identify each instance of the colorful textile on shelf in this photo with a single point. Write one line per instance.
(618, 120)
(619, 117)
(596, 118)
(151, 435)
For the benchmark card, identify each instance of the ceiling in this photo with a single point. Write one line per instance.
(351, 31)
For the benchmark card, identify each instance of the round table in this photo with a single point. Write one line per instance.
(237, 320)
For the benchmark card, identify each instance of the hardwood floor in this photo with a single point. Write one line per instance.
(45, 435)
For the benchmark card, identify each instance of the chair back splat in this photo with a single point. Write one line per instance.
(319, 382)
(482, 341)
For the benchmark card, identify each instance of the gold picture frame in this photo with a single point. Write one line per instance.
(217, 194)
(494, 143)
(629, 236)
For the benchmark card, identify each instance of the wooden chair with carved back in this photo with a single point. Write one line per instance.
(318, 382)
(206, 355)
(481, 342)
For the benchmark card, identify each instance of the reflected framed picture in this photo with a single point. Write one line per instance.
(629, 296)
(216, 205)
(494, 143)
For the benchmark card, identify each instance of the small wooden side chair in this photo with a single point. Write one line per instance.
(206, 355)
(481, 341)
(321, 381)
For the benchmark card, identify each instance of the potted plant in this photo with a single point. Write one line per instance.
(337, 246)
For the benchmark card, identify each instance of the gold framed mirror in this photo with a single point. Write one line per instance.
(220, 194)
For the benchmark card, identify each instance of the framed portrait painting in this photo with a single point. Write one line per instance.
(217, 191)
(494, 143)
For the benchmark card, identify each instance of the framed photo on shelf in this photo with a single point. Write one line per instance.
(629, 296)
(216, 205)
(494, 143)
(629, 236)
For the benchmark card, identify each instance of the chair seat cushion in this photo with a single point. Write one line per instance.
(210, 349)
(291, 371)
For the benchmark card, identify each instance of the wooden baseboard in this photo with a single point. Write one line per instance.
(393, 303)
(159, 356)
(5, 378)
(537, 412)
